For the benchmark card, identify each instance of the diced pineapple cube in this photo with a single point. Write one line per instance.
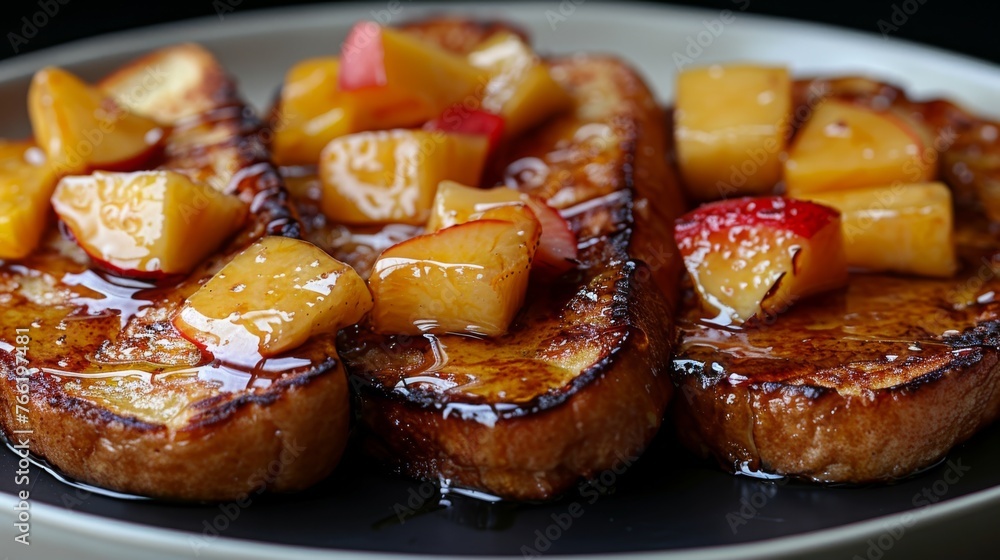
(25, 188)
(846, 146)
(753, 258)
(454, 203)
(401, 80)
(312, 111)
(521, 88)
(148, 223)
(391, 176)
(17, 153)
(80, 128)
(731, 126)
(272, 298)
(470, 278)
(902, 228)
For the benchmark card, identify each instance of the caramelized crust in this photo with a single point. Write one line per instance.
(117, 398)
(870, 383)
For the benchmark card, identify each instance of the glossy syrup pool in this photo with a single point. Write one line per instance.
(102, 300)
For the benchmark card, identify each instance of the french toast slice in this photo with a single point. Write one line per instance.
(872, 383)
(580, 382)
(116, 397)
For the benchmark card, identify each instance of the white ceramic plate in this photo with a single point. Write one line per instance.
(258, 47)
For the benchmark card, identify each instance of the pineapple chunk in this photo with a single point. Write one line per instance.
(401, 80)
(521, 88)
(755, 257)
(470, 278)
(15, 153)
(148, 223)
(845, 146)
(903, 228)
(731, 125)
(80, 128)
(26, 184)
(391, 176)
(272, 298)
(312, 111)
(456, 204)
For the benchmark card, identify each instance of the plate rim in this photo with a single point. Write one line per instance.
(173, 541)
(289, 18)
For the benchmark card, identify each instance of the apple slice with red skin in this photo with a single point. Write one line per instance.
(81, 129)
(455, 203)
(364, 56)
(400, 80)
(557, 250)
(148, 224)
(752, 258)
(461, 120)
(470, 278)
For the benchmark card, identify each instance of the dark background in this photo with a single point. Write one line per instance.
(966, 27)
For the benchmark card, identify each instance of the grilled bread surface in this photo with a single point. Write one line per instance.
(582, 378)
(118, 398)
(871, 383)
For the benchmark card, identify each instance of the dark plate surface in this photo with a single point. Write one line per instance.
(664, 500)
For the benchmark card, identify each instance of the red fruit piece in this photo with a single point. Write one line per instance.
(458, 119)
(749, 257)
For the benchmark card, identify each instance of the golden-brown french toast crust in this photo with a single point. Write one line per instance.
(819, 434)
(611, 410)
(523, 426)
(278, 440)
(870, 383)
(283, 431)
